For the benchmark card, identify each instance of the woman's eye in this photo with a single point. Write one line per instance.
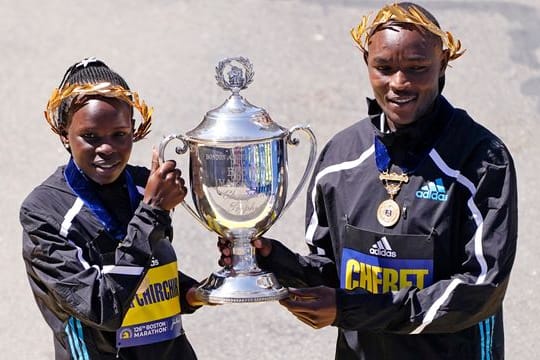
(384, 69)
(89, 136)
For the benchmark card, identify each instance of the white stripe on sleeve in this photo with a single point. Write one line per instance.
(478, 249)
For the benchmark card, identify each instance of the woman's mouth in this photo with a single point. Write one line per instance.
(106, 166)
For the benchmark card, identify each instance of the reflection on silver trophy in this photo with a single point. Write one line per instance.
(238, 181)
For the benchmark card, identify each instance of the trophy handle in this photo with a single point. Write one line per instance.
(310, 163)
(181, 149)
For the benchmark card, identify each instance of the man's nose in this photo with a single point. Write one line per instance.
(398, 80)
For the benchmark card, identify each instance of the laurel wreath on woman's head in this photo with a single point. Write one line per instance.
(71, 92)
(395, 13)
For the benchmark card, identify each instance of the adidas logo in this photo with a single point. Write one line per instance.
(382, 248)
(433, 190)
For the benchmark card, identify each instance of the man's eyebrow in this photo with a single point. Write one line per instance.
(412, 57)
(380, 59)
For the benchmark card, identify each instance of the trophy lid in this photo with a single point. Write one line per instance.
(236, 120)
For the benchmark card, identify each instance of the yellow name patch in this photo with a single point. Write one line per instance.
(157, 297)
(379, 280)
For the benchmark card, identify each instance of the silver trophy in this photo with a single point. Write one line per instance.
(238, 182)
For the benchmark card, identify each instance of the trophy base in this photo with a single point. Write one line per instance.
(225, 287)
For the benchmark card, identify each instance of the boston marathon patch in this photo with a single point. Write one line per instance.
(154, 314)
(379, 263)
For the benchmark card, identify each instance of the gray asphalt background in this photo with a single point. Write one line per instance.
(307, 70)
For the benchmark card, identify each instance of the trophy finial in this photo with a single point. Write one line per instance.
(238, 77)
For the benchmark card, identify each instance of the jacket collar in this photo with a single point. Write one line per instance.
(408, 145)
(85, 189)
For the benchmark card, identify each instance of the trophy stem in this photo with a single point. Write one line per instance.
(243, 253)
(243, 281)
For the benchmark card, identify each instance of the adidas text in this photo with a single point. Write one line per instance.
(382, 252)
(431, 195)
(382, 248)
(433, 190)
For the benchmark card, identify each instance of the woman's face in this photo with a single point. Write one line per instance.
(404, 67)
(100, 136)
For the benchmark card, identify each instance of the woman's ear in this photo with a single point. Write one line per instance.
(365, 56)
(65, 141)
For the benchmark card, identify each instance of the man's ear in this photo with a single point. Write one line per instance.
(444, 62)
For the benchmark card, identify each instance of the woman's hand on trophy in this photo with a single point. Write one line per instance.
(263, 246)
(194, 298)
(165, 187)
(315, 306)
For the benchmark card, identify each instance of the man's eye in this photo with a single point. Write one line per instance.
(89, 136)
(120, 134)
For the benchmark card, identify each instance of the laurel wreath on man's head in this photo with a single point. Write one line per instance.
(395, 13)
(101, 89)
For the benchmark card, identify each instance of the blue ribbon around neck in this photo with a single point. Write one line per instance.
(83, 188)
(383, 160)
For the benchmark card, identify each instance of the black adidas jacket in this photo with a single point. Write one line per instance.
(84, 280)
(432, 285)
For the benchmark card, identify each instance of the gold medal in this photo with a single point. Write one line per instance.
(388, 213)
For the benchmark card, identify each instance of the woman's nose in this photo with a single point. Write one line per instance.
(105, 148)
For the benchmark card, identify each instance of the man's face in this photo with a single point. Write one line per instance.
(404, 67)
(100, 136)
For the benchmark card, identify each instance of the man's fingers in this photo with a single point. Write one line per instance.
(264, 246)
(305, 294)
(306, 321)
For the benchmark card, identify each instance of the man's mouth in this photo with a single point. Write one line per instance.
(402, 100)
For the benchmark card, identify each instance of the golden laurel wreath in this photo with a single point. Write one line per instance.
(101, 89)
(394, 12)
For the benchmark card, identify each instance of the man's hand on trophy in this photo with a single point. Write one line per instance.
(165, 187)
(263, 246)
(315, 306)
(225, 249)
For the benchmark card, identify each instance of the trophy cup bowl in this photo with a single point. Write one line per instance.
(239, 184)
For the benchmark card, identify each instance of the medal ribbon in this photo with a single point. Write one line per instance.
(82, 187)
(382, 158)
(392, 181)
